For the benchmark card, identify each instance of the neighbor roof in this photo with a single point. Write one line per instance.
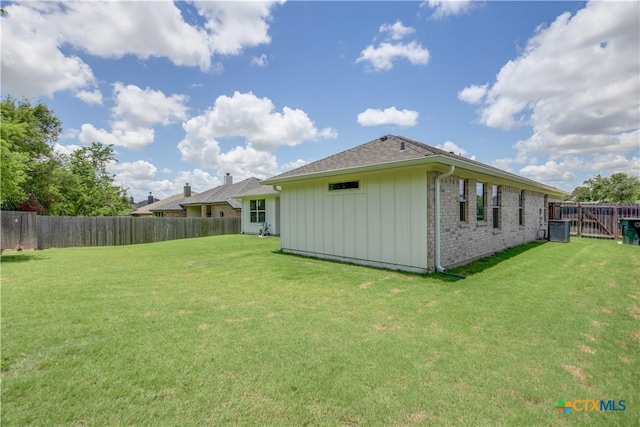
(395, 151)
(224, 193)
(159, 205)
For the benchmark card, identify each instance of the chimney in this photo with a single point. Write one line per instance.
(187, 190)
(150, 198)
(228, 179)
(131, 200)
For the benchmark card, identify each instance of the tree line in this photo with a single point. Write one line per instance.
(36, 177)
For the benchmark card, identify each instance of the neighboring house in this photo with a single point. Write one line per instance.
(168, 207)
(260, 204)
(397, 203)
(218, 202)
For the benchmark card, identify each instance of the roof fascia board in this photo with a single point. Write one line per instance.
(434, 159)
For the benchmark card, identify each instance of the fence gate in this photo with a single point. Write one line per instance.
(594, 219)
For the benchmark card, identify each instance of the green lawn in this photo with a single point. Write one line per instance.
(225, 331)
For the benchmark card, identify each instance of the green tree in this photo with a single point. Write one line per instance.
(27, 133)
(617, 188)
(78, 184)
(86, 188)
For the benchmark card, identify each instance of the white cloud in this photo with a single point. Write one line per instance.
(255, 120)
(444, 8)
(452, 147)
(576, 85)
(388, 116)
(198, 179)
(66, 150)
(140, 170)
(28, 42)
(146, 107)
(397, 31)
(381, 58)
(247, 116)
(244, 162)
(234, 25)
(135, 113)
(90, 97)
(552, 172)
(473, 94)
(260, 61)
(140, 178)
(292, 165)
(35, 32)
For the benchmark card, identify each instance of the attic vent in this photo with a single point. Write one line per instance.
(384, 138)
(401, 145)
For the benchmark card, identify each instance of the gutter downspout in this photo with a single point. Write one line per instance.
(437, 216)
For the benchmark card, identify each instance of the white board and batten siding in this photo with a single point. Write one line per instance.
(272, 215)
(382, 223)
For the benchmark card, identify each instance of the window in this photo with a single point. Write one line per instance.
(496, 201)
(257, 210)
(158, 214)
(349, 185)
(480, 202)
(221, 214)
(521, 208)
(462, 197)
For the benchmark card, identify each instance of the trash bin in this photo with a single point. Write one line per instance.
(630, 228)
(559, 230)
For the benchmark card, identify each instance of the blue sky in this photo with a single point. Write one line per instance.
(188, 91)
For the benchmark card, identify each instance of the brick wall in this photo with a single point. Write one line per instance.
(462, 242)
(175, 214)
(215, 210)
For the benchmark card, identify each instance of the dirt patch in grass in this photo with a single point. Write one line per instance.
(590, 337)
(634, 311)
(382, 326)
(270, 315)
(457, 292)
(203, 326)
(417, 417)
(396, 291)
(587, 349)
(597, 324)
(576, 371)
(624, 359)
(612, 285)
(608, 310)
(365, 285)
(636, 335)
(431, 304)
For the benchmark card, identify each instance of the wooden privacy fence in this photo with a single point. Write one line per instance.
(594, 219)
(29, 231)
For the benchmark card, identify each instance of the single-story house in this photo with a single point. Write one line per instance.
(217, 202)
(260, 204)
(397, 203)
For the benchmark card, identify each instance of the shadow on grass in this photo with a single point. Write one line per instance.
(453, 274)
(480, 265)
(20, 257)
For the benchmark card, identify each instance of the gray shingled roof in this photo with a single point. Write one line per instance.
(160, 205)
(224, 193)
(387, 149)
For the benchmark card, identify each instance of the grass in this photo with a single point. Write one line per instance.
(225, 331)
